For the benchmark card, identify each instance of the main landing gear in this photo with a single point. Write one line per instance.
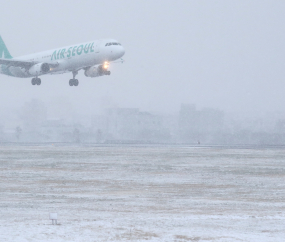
(36, 81)
(73, 81)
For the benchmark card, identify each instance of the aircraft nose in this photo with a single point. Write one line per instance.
(122, 51)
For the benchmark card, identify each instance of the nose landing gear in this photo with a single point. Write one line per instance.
(73, 81)
(36, 81)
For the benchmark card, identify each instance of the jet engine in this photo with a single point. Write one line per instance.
(39, 69)
(94, 71)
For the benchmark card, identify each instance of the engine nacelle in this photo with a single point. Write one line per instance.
(39, 69)
(94, 71)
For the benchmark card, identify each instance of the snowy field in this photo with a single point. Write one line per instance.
(137, 193)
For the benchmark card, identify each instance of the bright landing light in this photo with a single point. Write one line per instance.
(106, 65)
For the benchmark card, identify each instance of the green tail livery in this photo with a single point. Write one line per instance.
(4, 52)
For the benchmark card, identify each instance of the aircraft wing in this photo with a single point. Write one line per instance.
(22, 63)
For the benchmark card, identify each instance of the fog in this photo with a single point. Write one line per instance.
(222, 62)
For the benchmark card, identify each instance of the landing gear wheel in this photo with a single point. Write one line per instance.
(73, 81)
(108, 73)
(36, 81)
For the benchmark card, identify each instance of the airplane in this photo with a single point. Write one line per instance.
(93, 57)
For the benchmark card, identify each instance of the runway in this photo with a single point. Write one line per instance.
(137, 193)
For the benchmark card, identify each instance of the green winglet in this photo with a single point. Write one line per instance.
(3, 49)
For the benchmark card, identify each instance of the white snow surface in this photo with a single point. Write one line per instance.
(138, 193)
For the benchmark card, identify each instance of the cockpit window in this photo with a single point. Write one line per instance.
(108, 44)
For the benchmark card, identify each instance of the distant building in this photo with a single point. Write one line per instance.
(199, 125)
(129, 124)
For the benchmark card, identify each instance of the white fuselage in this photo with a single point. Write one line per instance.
(70, 58)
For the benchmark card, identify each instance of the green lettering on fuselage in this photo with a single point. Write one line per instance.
(79, 49)
(62, 54)
(57, 56)
(86, 48)
(91, 48)
(69, 51)
(73, 51)
(53, 55)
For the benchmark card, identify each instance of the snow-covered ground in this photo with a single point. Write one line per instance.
(137, 193)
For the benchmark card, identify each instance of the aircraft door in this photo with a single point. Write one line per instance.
(96, 46)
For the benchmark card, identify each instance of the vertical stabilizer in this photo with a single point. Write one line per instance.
(4, 52)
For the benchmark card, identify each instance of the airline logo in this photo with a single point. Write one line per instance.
(72, 51)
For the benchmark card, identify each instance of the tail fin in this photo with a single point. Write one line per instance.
(4, 50)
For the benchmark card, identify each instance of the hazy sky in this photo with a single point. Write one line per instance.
(221, 54)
